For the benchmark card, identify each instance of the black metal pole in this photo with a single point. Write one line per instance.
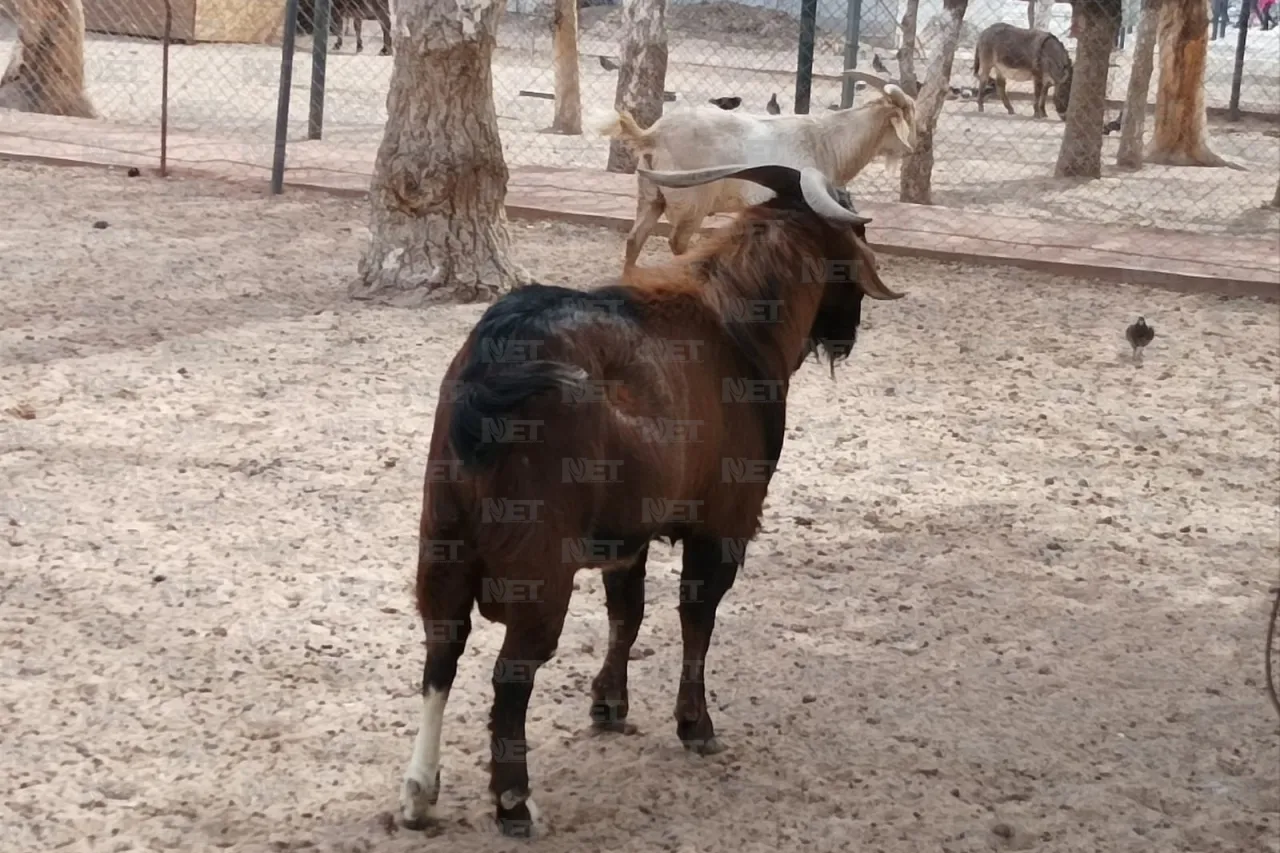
(319, 55)
(1237, 74)
(852, 32)
(804, 57)
(286, 89)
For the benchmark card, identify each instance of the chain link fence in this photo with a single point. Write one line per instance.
(224, 73)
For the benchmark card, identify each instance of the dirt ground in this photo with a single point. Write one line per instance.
(1010, 594)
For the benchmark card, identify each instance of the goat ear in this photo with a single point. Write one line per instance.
(903, 131)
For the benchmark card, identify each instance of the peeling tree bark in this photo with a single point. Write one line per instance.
(643, 75)
(1180, 136)
(438, 225)
(46, 71)
(1135, 103)
(1080, 155)
(907, 53)
(917, 167)
(564, 46)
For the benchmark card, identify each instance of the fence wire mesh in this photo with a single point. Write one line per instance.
(224, 72)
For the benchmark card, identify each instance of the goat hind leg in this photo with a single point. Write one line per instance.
(682, 233)
(624, 598)
(447, 596)
(533, 631)
(384, 18)
(708, 573)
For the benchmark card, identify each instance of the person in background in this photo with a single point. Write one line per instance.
(1220, 20)
(1265, 10)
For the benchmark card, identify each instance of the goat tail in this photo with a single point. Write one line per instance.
(481, 424)
(622, 126)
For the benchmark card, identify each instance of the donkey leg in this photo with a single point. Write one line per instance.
(384, 18)
(446, 594)
(1041, 91)
(707, 575)
(624, 598)
(1004, 95)
(533, 631)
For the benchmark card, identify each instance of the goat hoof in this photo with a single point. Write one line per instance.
(710, 746)
(386, 51)
(418, 797)
(610, 715)
(517, 815)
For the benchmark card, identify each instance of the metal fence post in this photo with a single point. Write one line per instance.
(804, 57)
(852, 32)
(286, 89)
(319, 55)
(1237, 74)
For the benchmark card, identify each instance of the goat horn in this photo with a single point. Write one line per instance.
(869, 79)
(783, 180)
(869, 281)
(817, 194)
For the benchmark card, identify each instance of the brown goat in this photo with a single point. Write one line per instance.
(574, 428)
(1014, 53)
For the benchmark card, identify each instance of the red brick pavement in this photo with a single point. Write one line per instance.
(1166, 259)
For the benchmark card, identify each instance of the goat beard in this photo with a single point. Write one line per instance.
(833, 350)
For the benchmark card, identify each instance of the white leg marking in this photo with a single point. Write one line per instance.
(422, 780)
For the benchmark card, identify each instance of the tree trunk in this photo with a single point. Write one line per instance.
(917, 168)
(643, 76)
(907, 53)
(1180, 136)
(1040, 13)
(1080, 155)
(564, 46)
(1275, 202)
(438, 225)
(46, 70)
(1135, 103)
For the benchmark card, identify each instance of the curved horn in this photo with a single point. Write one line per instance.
(817, 194)
(869, 281)
(783, 180)
(870, 79)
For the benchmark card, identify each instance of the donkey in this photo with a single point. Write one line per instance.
(360, 11)
(1014, 53)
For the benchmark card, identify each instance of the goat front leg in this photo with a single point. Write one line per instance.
(1004, 95)
(384, 18)
(533, 631)
(444, 588)
(624, 598)
(682, 232)
(359, 34)
(1041, 92)
(335, 29)
(707, 575)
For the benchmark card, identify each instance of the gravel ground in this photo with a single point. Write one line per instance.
(1010, 593)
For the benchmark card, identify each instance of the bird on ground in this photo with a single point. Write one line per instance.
(608, 64)
(1113, 125)
(728, 102)
(878, 64)
(1139, 334)
(772, 107)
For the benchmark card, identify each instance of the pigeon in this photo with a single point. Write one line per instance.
(1139, 335)
(728, 102)
(1113, 125)
(878, 64)
(772, 107)
(608, 64)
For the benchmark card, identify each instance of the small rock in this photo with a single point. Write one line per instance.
(133, 172)
(1002, 830)
(808, 698)
(101, 223)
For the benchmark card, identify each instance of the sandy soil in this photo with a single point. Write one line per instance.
(991, 162)
(1010, 593)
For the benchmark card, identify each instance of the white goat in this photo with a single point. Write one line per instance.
(838, 144)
